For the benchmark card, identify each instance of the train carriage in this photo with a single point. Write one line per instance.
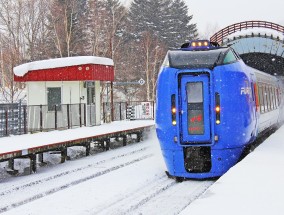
(210, 106)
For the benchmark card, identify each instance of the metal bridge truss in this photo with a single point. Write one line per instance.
(222, 34)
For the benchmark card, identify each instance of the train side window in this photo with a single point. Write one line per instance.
(252, 91)
(265, 98)
(230, 57)
(272, 98)
(276, 98)
(269, 98)
(259, 90)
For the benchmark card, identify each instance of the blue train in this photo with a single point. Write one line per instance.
(210, 106)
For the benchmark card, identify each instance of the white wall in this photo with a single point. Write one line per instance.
(71, 92)
(36, 93)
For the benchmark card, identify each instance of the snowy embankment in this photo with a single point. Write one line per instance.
(125, 180)
(253, 186)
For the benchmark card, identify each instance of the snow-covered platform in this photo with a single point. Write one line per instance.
(253, 186)
(32, 144)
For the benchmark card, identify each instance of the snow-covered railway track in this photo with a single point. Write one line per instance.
(66, 179)
(136, 198)
(6, 190)
(155, 197)
(128, 180)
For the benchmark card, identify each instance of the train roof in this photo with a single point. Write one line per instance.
(191, 59)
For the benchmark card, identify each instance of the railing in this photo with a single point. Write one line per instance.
(220, 35)
(16, 119)
(13, 119)
(61, 117)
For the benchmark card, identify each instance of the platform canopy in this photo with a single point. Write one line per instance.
(81, 68)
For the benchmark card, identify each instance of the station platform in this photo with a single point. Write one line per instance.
(253, 186)
(29, 145)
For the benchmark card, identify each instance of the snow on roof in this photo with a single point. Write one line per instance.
(21, 70)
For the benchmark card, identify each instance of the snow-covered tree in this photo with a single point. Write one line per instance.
(153, 27)
(168, 20)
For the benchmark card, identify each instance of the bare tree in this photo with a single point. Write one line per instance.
(209, 31)
(66, 31)
(12, 46)
(153, 53)
(22, 34)
(33, 28)
(105, 30)
(105, 25)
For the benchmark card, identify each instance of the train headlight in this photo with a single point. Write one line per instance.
(217, 108)
(173, 109)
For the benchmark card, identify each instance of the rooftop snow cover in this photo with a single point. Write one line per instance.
(21, 70)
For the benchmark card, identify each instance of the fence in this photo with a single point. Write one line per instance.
(18, 119)
(141, 110)
(13, 119)
(41, 118)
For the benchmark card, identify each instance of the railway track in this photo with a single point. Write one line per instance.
(62, 179)
(129, 180)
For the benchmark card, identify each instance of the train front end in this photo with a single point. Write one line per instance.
(195, 134)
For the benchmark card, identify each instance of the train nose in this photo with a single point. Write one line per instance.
(195, 104)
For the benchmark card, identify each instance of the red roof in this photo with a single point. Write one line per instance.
(86, 72)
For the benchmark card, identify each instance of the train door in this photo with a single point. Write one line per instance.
(195, 101)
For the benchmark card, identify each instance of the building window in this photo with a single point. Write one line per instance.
(54, 98)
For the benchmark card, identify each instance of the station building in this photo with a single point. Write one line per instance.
(66, 90)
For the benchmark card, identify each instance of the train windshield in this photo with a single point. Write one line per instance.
(193, 59)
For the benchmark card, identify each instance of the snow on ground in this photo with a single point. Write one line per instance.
(125, 180)
(253, 186)
(22, 142)
(131, 180)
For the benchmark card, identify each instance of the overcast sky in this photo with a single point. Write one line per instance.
(215, 15)
(211, 16)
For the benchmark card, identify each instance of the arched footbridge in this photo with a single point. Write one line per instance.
(259, 43)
